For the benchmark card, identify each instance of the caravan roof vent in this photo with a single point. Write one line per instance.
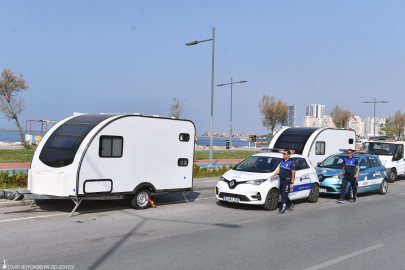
(155, 115)
(78, 113)
(137, 114)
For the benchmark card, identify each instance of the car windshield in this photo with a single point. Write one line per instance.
(334, 162)
(259, 164)
(380, 148)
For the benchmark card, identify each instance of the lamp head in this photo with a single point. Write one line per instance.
(192, 43)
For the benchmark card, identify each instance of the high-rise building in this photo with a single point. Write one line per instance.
(315, 110)
(369, 126)
(290, 117)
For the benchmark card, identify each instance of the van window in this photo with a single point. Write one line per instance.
(111, 146)
(300, 164)
(350, 141)
(320, 148)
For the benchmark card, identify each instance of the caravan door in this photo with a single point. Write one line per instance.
(304, 179)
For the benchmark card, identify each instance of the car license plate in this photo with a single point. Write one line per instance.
(230, 199)
(322, 190)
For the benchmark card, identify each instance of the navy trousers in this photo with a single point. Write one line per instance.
(284, 191)
(346, 179)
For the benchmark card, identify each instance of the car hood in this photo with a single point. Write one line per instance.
(240, 176)
(327, 171)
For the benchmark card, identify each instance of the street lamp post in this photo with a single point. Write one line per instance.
(375, 102)
(211, 155)
(230, 133)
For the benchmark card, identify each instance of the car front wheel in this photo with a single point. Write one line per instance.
(271, 200)
(384, 187)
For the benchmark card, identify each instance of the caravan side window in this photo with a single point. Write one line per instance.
(111, 146)
(320, 148)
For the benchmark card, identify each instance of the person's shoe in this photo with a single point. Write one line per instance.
(340, 201)
(291, 207)
(281, 211)
(354, 201)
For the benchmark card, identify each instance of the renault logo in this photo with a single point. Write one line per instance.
(232, 184)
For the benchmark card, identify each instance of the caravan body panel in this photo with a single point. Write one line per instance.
(151, 150)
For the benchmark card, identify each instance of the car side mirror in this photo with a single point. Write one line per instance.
(317, 164)
(362, 168)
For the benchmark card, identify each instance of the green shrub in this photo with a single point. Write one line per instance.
(13, 180)
(199, 172)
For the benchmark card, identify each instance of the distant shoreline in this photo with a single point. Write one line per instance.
(6, 129)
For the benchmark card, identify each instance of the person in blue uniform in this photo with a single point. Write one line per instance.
(351, 169)
(286, 172)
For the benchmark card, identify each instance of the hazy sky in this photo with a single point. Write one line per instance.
(130, 56)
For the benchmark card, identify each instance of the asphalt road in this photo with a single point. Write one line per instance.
(208, 235)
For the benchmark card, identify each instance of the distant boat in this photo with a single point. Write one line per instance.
(245, 140)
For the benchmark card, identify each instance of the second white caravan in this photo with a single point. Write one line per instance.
(314, 143)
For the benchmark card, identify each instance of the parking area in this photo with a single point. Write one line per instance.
(110, 234)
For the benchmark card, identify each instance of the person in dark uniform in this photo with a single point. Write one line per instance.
(351, 168)
(286, 172)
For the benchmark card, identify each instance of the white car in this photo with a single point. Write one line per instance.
(249, 182)
(391, 154)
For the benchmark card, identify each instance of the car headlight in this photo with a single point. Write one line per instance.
(256, 182)
(335, 176)
(384, 162)
(320, 177)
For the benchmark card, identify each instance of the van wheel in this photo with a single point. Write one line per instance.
(271, 200)
(313, 194)
(384, 187)
(392, 175)
(139, 200)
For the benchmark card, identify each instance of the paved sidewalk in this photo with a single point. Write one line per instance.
(15, 165)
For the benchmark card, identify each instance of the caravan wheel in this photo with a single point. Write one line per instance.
(139, 200)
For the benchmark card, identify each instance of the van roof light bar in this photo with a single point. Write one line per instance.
(276, 150)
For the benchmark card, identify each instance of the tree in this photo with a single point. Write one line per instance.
(340, 117)
(274, 112)
(387, 127)
(177, 108)
(11, 104)
(398, 122)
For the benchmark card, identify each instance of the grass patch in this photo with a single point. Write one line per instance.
(24, 155)
(16, 155)
(224, 154)
(199, 172)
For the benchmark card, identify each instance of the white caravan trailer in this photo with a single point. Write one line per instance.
(113, 156)
(315, 143)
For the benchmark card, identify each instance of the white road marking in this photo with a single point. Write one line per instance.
(15, 219)
(401, 194)
(345, 257)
